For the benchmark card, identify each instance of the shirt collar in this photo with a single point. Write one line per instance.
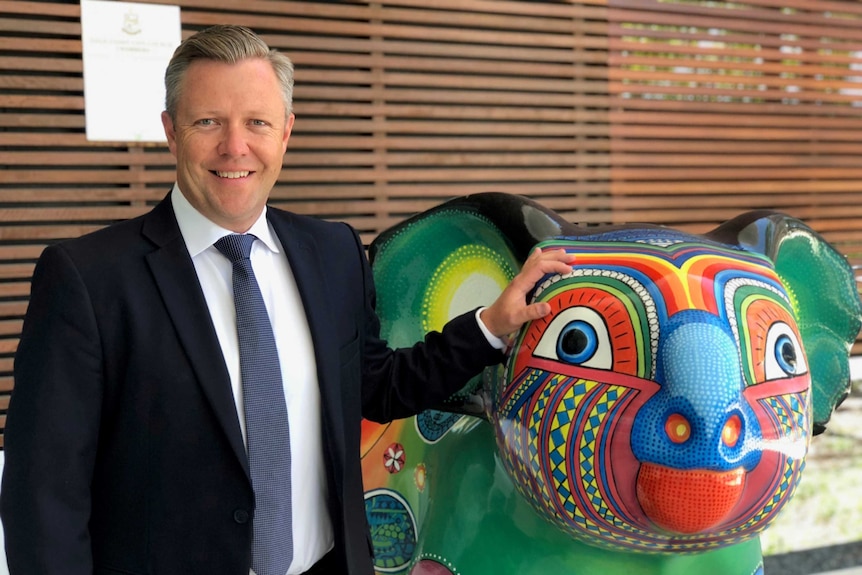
(200, 233)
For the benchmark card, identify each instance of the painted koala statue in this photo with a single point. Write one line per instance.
(655, 422)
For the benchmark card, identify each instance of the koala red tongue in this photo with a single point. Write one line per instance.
(688, 501)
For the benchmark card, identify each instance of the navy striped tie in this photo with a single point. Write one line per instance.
(267, 432)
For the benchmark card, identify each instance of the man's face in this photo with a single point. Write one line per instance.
(229, 137)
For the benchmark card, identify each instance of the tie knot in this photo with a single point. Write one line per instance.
(235, 247)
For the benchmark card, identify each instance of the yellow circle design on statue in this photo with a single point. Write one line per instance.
(470, 277)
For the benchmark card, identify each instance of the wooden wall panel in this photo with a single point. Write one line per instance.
(677, 112)
(718, 107)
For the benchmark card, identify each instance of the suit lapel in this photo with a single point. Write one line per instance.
(177, 281)
(304, 257)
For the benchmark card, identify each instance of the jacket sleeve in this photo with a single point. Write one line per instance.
(52, 426)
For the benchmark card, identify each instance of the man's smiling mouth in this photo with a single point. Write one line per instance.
(231, 175)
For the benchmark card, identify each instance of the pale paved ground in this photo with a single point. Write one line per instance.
(820, 531)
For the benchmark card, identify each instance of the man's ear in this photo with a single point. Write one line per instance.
(288, 129)
(170, 133)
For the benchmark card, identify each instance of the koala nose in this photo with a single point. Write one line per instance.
(688, 501)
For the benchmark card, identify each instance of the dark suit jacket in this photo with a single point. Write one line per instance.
(123, 447)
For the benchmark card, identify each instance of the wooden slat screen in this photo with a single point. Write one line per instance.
(718, 107)
(679, 112)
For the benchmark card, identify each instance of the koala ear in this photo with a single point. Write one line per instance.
(823, 293)
(451, 259)
(435, 266)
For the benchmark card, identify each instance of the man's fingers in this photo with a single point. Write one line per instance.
(511, 311)
(536, 311)
(540, 263)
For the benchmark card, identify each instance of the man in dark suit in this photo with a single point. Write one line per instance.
(126, 443)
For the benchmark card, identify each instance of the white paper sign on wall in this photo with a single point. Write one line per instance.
(126, 48)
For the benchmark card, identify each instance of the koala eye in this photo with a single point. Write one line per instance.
(783, 357)
(577, 336)
(577, 342)
(785, 354)
(765, 329)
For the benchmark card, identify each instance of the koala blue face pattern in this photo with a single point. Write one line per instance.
(663, 404)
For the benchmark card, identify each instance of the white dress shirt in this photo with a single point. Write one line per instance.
(312, 528)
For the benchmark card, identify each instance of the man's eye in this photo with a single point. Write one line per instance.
(258, 123)
(206, 122)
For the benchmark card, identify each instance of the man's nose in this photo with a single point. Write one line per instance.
(234, 141)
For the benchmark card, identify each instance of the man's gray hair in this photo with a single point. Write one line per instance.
(228, 44)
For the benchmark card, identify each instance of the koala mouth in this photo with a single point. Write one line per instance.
(688, 501)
